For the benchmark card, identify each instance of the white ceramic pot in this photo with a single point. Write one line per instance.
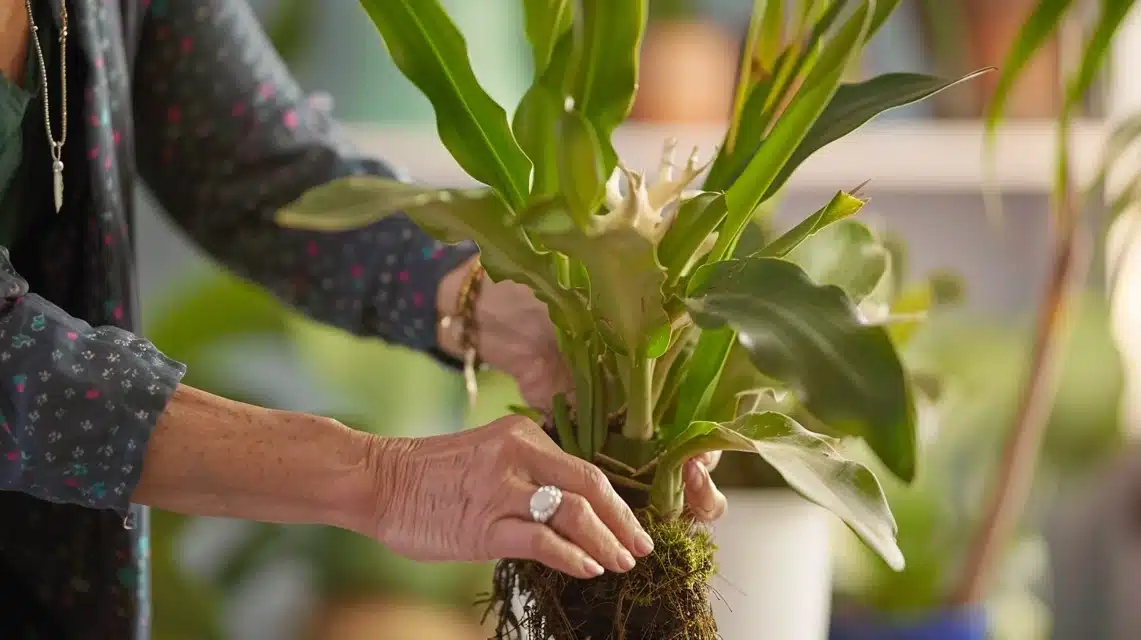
(775, 567)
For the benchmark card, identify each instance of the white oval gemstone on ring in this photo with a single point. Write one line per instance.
(544, 502)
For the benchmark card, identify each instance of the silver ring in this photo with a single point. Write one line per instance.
(545, 502)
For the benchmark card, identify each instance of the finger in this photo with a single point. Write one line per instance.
(575, 520)
(703, 498)
(709, 459)
(575, 475)
(515, 538)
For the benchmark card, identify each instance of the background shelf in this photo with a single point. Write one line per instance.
(913, 156)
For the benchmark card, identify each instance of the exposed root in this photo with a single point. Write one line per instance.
(665, 596)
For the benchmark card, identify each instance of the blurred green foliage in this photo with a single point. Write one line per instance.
(985, 363)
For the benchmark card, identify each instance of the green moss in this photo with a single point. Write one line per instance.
(664, 597)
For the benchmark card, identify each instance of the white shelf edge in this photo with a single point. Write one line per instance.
(910, 156)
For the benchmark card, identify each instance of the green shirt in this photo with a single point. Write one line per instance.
(16, 105)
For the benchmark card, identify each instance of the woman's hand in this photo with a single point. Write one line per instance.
(466, 496)
(516, 336)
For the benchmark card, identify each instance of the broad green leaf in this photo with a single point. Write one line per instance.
(431, 52)
(564, 428)
(771, 35)
(838, 52)
(347, 204)
(857, 103)
(535, 125)
(1035, 33)
(841, 206)
(753, 238)
(536, 120)
(701, 378)
(810, 338)
(751, 188)
(746, 138)
(692, 223)
(580, 166)
(447, 215)
(608, 38)
(845, 254)
(829, 13)
(783, 78)
(625, 276)
(659, 341)
(744, 79)
(811, 467)
(800, 59)
(545, 21)
(752, 115)
(740, 382)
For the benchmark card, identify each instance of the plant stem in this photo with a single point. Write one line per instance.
(563, 426)
(626, 482)
(1019, 458)
(586, 374)
(665, 372)
(598, 398)
(666, 495)
(639, 399)
(646, 468)
(562, 267)
(617, 464)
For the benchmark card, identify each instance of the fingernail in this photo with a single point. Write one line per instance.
(593, 569)
(625, 560)
(644, 544)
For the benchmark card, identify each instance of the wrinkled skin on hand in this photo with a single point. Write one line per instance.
(466, 497)
(516, 336)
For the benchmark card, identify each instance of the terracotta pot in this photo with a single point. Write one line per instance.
(688, 72)
(992, 28)
(372, 618)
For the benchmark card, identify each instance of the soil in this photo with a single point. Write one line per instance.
(665, 596)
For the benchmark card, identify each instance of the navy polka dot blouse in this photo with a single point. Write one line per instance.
(188, 98)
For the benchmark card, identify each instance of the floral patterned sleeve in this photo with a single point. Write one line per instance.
(226, 138)
(77, 403)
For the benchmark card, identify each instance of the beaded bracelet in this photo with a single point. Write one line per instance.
(465, 316)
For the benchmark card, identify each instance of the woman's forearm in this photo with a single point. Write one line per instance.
(216, 457)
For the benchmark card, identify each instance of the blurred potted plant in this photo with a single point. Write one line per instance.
(982, 365)
(1009, 481)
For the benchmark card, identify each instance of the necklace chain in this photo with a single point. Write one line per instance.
(56, 145)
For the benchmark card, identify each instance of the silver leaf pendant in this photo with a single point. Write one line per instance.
(57, 184)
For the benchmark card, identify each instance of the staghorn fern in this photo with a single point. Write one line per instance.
(641, 277)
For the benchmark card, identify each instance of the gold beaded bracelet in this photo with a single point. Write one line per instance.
(465, 316)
